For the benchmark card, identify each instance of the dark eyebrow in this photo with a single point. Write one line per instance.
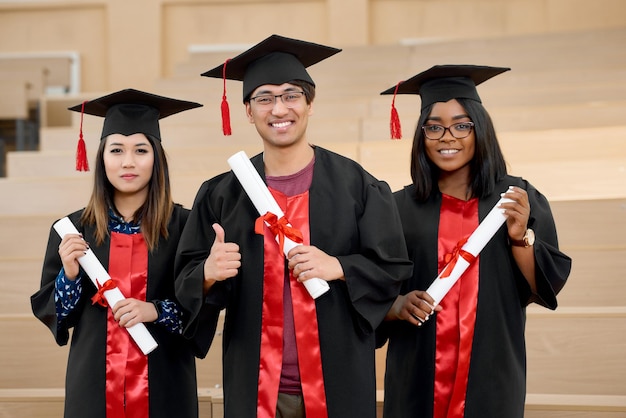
(119, 144)
(438, 119)
(268, 92)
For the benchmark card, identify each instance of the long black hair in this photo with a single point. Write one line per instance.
(486, 167)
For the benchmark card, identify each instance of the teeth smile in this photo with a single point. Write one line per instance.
(281, 124)
(448, 151)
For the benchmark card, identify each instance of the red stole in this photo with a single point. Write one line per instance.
(126, 365)
(455, 323)
(296, 209)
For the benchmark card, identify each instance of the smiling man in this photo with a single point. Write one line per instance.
(285, 353)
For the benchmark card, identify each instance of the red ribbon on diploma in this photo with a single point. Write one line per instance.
(279, 227)
(452, 258)
(99, 296)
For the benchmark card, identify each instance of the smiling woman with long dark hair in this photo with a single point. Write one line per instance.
(466, 356)
(133, 227)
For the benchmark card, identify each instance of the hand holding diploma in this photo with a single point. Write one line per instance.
(271, 214)
(466, 252)
(106, 287)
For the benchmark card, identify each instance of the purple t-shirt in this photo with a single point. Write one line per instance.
(290, 185)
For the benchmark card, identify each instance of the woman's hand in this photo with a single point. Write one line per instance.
(130, 311)
(414, 307)
(517, 212)
(72, 247)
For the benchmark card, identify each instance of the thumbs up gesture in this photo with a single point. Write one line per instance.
(223, 261)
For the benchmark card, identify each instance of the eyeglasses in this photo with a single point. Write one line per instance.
(289, 99)
(457, 130)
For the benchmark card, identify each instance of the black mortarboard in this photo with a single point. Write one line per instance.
(275, 60)
(128, 112)
(441, 83)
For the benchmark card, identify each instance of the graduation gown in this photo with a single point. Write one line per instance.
(353, 217)
(496, 384)
(171, 366)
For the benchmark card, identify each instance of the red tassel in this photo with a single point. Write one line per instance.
(396, 129)
(225, 110)
(81, 151)
(226, 117)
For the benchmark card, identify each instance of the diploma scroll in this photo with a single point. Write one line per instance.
(94, 269)
(474, 245)
(264, 202)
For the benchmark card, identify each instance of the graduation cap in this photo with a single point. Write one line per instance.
(275, 60)
(441, 83)
(127, 112)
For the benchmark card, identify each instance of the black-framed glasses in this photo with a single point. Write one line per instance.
(457, 130)
(289, 99)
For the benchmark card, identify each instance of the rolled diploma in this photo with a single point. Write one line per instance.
(474, 245)
(94, 269)
(264, 202)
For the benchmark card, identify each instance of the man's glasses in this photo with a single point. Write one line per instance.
(458, 130)
(289, 99)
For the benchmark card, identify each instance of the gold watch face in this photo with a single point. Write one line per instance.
(529, 238)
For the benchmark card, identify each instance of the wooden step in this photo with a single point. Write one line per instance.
(578, 178)
(25, 237)
(30, 358)
(592, 282)
(48, 403)
(511, 118)
(595, 279)
(561, 359)
(564, 360)
(32, 402)
(573, 179)
(547, 405)
(576, 350)
(586, 224)
(30, 196)
(596, 225)
(19, 279)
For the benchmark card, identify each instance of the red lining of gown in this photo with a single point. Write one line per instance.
(455, 323)
(126, 365)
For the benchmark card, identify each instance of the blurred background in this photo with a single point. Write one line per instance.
(560, 115)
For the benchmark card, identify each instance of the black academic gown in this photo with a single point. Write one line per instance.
(496, 385)
(353, 217)
(171, 366)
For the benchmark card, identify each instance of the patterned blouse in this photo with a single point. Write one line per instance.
(68, 292)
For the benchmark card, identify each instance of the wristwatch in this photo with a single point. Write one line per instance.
(527, 241)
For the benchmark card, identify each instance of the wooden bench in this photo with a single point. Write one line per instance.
(573, 178)
(48, 403)
(577, 350)
(32, 359)
(561, 358)
(547, 405)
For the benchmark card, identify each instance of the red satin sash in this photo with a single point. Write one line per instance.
(455, 323)
(126, 365)
(296, 210)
